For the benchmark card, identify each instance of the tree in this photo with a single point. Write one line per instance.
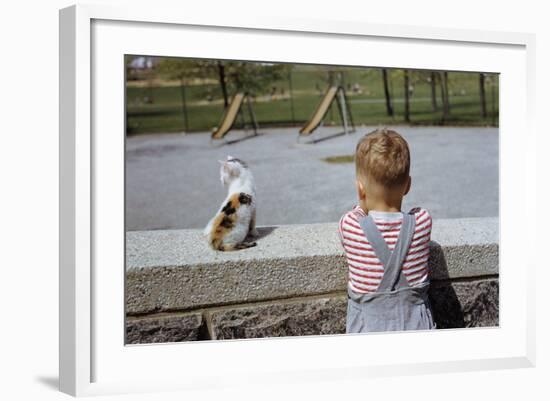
(182, 70)
(406, 89)
(253, 78)
(332, 76)
(223, 83)
(242, 76)
(215, 69)
(482, 95)
(387, 95)
(444, 84)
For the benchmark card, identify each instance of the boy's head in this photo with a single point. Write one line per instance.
(382, 163)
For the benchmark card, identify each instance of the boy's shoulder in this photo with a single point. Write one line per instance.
(422, 217)
(350, 219)
(420, 212)
(354, 214)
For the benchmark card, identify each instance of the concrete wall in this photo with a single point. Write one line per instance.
(292, 283)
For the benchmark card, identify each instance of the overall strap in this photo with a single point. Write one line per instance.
(391, 260)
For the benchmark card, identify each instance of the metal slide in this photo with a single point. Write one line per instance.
(229, 117)
(319, 114)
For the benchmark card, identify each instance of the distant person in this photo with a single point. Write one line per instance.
(387, 250)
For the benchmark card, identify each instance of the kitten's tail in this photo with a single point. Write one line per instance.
(233, 247)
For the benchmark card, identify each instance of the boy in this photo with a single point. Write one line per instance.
(387, 250)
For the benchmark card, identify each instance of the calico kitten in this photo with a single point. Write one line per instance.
(236, 219)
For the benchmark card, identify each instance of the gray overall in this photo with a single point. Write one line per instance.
(395, 305)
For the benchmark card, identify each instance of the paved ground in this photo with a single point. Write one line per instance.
(172, 181)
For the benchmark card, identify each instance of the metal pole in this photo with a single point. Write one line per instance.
(493, 111)
(331, 83)
(243, 122)
(343, 111)
(348, 109)
(184, 107)
(291, 97)
(252, 115)
(482, 95)
(406, 112)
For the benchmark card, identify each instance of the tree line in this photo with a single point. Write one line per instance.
(255, 78)
(435, 79)
(232, 76)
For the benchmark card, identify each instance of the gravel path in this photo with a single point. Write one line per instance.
(172, 181)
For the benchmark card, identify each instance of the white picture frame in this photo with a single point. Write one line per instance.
(94, 360)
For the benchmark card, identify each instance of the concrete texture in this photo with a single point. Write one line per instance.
(186, 287)
(175, 270)
(172, 180)
(164, 329)
(303, 318)
(472, 303)
(456, 305)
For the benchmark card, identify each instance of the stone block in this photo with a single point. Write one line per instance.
(299, 318)
(171, 328)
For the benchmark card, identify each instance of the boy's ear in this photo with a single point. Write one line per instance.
(408, 187)
(360, 190)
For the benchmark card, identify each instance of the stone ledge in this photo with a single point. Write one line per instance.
(175, 270)
(455, 305)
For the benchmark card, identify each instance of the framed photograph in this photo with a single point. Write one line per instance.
(271, 198)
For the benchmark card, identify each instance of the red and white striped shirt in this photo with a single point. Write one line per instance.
(364, 268)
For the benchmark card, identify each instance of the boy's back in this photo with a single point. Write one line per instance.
(364, 268)
(387, 250)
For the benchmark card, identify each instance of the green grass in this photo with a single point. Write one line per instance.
(339, 159)
(165, 114)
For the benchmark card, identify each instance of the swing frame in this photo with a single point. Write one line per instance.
(245, 124)
(344, 111)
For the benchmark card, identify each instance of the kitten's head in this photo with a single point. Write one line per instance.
(231, 169)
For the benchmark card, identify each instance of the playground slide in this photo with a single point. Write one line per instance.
(322, 109)
(229, 117)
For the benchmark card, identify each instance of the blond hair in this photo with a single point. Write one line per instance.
(383, 155)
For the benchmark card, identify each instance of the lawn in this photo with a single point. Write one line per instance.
(155, 109)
